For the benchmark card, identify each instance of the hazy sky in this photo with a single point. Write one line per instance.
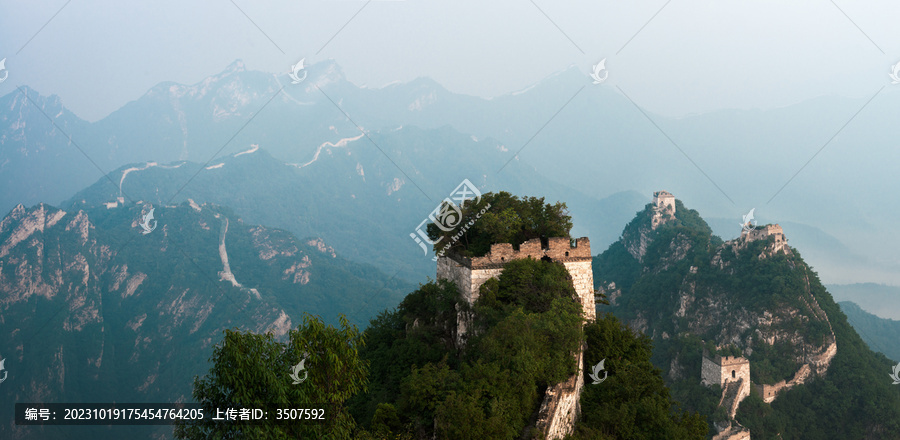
(693, 56)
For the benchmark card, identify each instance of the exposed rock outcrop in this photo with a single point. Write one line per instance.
(560, 408)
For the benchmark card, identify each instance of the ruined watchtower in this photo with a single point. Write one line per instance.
(663, 208)
(664, 201)
(763, 233)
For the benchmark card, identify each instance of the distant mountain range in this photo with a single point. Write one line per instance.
(878, 299)
(272, 199)
(351, 196)
(590, 138)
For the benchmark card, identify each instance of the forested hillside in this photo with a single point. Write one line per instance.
(670, 278)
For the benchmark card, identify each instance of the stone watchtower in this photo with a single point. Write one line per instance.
(470, 273)
(732, 373)
(663, 208)
(664, 201)
(764, 232)
(723, 369)
(557, 414)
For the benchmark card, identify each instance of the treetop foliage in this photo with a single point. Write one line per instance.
(252, 371)
(526, 329)
(633, 402)
(507, 219)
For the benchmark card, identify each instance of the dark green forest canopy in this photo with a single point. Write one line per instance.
(505, 219)
(633, 402)
(528, 327)
(519, 344)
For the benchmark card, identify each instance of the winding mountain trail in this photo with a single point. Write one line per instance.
(339, 144)
(125, 172)
(226, 274)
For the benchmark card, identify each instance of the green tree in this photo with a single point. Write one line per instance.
(526, 329)
(419, 331)
(252, 371)
(504, 218)
(633, 402)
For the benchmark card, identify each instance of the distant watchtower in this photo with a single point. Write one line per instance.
(664, 201)
(663, 208)
(764, 232)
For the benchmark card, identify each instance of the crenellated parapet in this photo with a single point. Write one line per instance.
(470, 273)
(559, 249)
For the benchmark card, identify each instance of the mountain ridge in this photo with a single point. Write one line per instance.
(754, 298)
(265, 190)
(596, 124)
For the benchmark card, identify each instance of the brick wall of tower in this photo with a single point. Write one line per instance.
(710, 372)
(560, 407)
(470, 273)
(722, 370)
(583, 279)
(763, 233)
(664, 200)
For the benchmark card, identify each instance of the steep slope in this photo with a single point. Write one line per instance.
(753, 297)
(34, 155)
(881, 335)
(97, 311)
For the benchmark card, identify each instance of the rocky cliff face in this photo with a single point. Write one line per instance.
(720, 291)
(93, 309)
(703, 309)
(560, 408)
